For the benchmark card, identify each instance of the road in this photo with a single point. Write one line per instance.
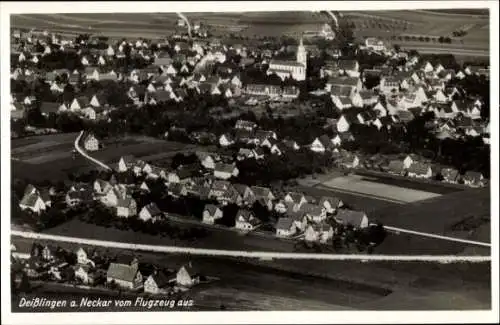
(253, 254)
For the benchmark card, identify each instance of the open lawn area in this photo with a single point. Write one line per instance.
(437, 215)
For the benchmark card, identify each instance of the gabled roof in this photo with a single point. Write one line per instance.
(350, 217)
(152, 208)
(211, 208)
(122, 272)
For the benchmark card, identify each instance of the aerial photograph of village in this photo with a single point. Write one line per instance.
(250, 161)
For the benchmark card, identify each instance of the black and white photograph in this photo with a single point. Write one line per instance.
(172, 159)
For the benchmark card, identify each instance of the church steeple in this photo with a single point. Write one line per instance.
(301, 53)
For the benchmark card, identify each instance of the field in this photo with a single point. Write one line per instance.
(438, 215)
(332, 285)
(45, 157)
(158, 25)
(386, 24)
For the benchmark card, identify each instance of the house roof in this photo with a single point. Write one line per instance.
(296, 197)
(419, 168)
(344, 81)
(152, 208)
(122, 272)
(473, 176)
(211, 208)
(284, 223)
(29, 199)
(449, 174)
(334, 201)
(350, 217)
(160, 278)
(396, 166)
(246, 214)
(311, 209)
(260, 191)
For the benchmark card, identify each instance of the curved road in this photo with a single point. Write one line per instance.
(85, 155)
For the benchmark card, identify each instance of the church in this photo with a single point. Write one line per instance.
(287, 68)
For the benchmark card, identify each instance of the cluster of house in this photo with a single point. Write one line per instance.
(91, 268)
(299, 214)
(416, 88)
(177, 69)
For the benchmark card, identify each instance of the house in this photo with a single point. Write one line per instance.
(349, 161)
(313, 212)
(330, 204)
(225, 171)
(33, 202)
(349, 67)
(211, 213)
(285, 227)
(409, 160)
(450, 175)
(74, 198)
(262, 192)
(150, 212)
(245, 220)
(310, 234)
(218, 188)
(356, 219)
(177, 190)
(374, 44)
(473, 179)
(123, 275)
(321, 144)
(226, 140)
(396, 167)
(90, 142)
(245, 125)
(343, 124)
(207, 160)
(420, 170)
(125, 163)
(82, 257)
(368, 97)
(126, 207)
(245, 153)
(246, 193)
(231, 196)
(156, 283)
(101, 187)
(186, 276)
(295, 198)
(22, 250)
(84, 273)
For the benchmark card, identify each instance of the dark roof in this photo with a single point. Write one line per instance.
(350, 217)
(284, 223)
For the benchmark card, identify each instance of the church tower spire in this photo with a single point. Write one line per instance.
(302, 53)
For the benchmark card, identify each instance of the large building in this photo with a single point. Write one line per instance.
(294, 69)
